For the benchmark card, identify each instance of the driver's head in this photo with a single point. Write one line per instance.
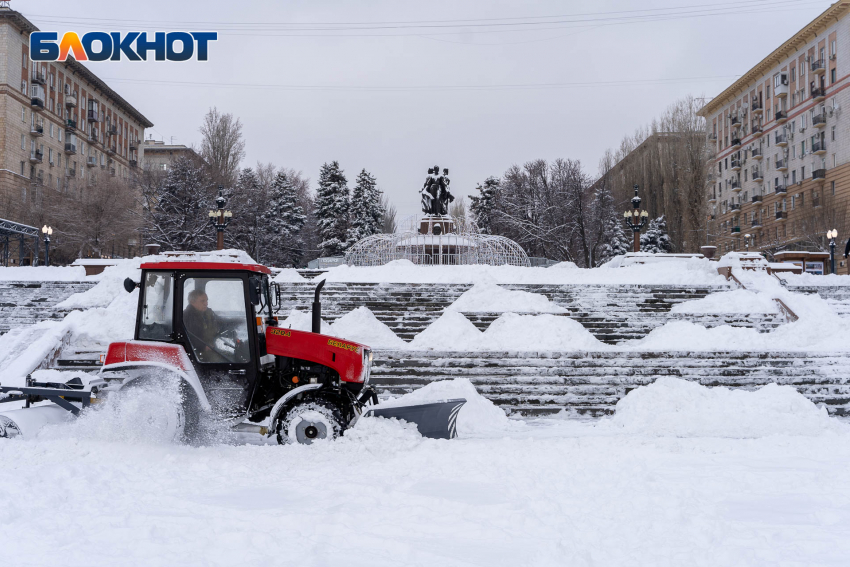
(199, 300)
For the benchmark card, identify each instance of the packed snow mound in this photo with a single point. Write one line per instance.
(738, 301)
(361, 326)
(43, 273)
(539, 332)
(289, 275)
(564, 266)
(109, 287)
(478, 415)
(671, 407)
(301, 321)
(492, 298)
(451, 332)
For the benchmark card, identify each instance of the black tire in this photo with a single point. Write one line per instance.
(310, 420)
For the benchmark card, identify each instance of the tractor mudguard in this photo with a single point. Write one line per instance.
(282, 402)
(147, 354)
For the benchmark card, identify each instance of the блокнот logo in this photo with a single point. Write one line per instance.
(111, 46)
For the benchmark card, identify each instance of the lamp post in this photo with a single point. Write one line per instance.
(220, 219)
(832, 235)
(636, 220)
(47, 231)
(747, 241)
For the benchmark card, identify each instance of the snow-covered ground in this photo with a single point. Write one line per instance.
(683, 476)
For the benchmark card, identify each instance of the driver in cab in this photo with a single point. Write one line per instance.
(203, 326)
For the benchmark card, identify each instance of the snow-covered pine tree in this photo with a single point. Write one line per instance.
(284, 219)
(366, 209)
(616, 242)
(656, 240)
(332, 209)
(247, 201)
(483, 205)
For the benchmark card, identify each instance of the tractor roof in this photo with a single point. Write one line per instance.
(214, 260)
(204, 265)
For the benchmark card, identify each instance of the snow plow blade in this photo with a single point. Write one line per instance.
(437, 420)
(67, 401)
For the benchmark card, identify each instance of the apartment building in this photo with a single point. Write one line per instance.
(60, 127)
(780, 177)
(157, 156)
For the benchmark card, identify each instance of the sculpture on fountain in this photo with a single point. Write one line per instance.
(435, 193)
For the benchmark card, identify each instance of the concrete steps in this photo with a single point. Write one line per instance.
(27, 303)
(589, 384)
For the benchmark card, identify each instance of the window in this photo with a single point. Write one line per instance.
(23, 168)
(158, 311)
(215, 319)
(793, 151)
(24, 61)
(794, 176)
(793, 74)
(60, 134)
(793, 202)
(23, 115)
(803, 172)
(833, 133)
(802, 200)
(832, 76)
(802, 122)
(23, 142)
(832, 47)
(833, 188)
(802, 148)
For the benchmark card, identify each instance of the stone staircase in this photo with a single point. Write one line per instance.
(589, 384)
(612, 313)
(27, 303)
(838, 297)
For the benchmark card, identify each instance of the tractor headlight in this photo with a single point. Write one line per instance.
(367, 365)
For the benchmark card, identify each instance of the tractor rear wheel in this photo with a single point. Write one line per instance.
(310, 421)
(165, 411)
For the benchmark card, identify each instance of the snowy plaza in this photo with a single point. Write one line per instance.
(710, 432)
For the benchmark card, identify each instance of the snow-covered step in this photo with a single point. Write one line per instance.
(590, 383)
(27, 303)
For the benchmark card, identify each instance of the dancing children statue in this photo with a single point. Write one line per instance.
(435, 193)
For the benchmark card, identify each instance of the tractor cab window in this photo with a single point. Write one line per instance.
(215, 319)
(158, 307)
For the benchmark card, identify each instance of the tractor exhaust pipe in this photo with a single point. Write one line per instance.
(317, 309)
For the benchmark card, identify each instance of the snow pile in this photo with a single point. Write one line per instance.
(478, 415)
(564, 266)
(492, 298)
(43, 273)
(740, 301)
(671, 407)
(109, 287)
(451, 332)
(289, 275)
(361, 326)
(301, 321)
(539, 332)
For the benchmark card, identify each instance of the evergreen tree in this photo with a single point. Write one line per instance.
(616, 242)
(484, 204)
(332, 209)
(366, 209)
(284, 219)
(656, 240)
(247, 201)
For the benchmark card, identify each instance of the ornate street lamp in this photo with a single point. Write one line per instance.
(636, 219)
(47, 231)
(832, 235)
(747, 241)
(220, 219)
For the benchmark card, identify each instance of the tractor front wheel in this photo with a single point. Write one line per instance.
(310, 421)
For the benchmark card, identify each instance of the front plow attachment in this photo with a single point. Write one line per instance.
(437, 420)
(67, 400)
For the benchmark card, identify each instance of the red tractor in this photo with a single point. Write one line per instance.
(209, 328)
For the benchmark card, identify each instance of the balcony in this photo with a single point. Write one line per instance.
(780, 140)
(93, 135)
(712, 199)
(757, 199)
(818, 94)
(70, 125)
(70, 149)
(781, 216)
(757, 154)
(757, 108)
(36, 156)
(781, 116)
(780, 189)
(819, 147)
(735, 231)
(112, 131)
(758, 177)
(134, 163)
(819, 175)
(134, 145)
(756, 223)
(37, 104)
(37, 129)
(713, 136)
(782, 165)
(70, 100)
(756, 131)
(736, 143)
(819, 120)
(819, 67)
(111, 150)
(735, 186)
(734, 120)
(91, 161)
(781, 91)
(736, 165)
(735, 207)
(112, 172)
(816, 202)
(93, 116)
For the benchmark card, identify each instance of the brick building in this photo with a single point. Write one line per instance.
(157, 156)
(60, 126)
(781, 171)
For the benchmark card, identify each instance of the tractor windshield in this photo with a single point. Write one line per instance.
(216, 320)
(157, 307)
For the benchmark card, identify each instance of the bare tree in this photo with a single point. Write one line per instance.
(389, 224)
(222, 146)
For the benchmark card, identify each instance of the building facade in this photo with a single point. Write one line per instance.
(157, 156)
(60, 127)
(780, 176)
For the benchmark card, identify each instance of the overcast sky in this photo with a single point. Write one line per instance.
(398, 86)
